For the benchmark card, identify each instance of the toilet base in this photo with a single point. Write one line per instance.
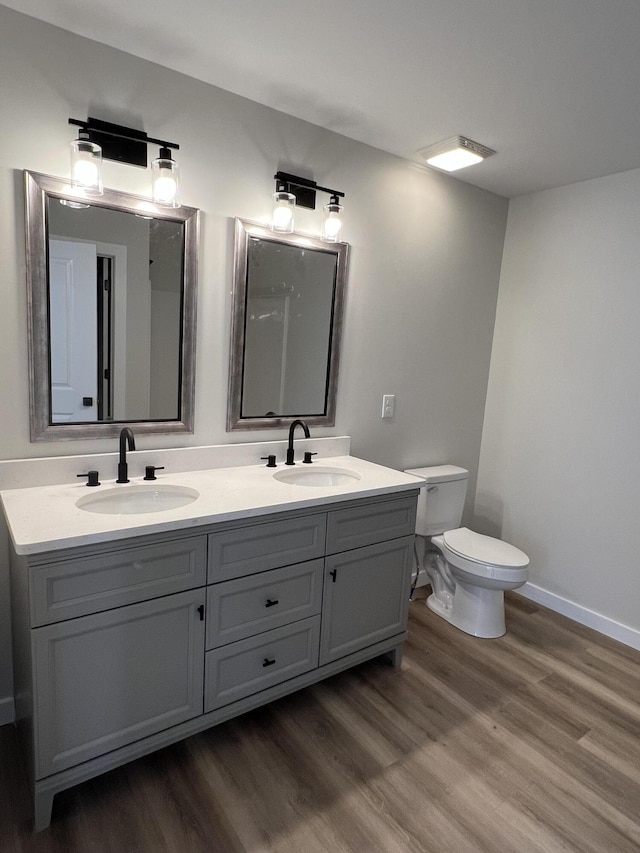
(473, 609)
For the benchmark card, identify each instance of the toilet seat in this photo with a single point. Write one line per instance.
(483, 555)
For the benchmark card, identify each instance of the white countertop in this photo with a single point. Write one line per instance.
(46, 518)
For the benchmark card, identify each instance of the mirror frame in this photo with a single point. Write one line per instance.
(37, 188)
(244, 231)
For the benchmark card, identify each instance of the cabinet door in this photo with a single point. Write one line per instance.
(366, 597)
(105, 680)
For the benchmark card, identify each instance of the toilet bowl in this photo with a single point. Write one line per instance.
(481, 568)
(468, 571)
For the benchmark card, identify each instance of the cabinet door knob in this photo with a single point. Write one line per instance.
(271, 602)
(201, 612)
(334, 574)
(268, 662)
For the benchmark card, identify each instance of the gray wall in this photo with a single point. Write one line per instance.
(425, 260)
(560, 467)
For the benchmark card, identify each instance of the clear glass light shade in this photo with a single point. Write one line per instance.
(332, 222)
(86, 166)
(283, 208)
(165, 178)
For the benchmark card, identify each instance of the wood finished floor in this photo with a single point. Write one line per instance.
(526, 743)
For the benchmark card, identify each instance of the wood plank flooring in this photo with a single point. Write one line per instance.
(526, 743)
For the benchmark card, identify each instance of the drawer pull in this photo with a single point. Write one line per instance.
(268, 662)
(271, 602)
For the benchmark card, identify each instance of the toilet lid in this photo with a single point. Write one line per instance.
(484, 549)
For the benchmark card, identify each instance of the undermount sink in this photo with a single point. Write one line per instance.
(129, 500)
(319, 475)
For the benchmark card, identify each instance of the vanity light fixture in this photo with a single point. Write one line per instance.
(292, 191)
(99, 139)
(458, 152)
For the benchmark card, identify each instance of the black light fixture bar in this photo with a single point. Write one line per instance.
(119, 143)
(304, 189)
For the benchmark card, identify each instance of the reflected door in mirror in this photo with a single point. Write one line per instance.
(73, 305)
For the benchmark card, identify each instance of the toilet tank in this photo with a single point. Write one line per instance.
(441, 500)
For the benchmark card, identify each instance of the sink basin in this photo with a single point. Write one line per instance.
(318, 475)
(128, 500)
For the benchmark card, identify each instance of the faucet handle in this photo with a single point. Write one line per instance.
(92, 478)
(307, 457)
(150, 471)
(271, 460)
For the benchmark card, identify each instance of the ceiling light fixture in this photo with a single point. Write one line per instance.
(292, 190)
(458, 152)
(98, 140)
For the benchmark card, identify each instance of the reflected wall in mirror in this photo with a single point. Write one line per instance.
(112, 298)
(288, 303)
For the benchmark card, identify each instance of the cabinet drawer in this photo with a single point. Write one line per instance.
(99, 582)
(374, 522)
(248, 666)
(246, 606)
(258, 547)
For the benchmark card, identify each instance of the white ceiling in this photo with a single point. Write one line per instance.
(552, 85)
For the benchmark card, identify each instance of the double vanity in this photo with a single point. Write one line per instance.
(149, 611)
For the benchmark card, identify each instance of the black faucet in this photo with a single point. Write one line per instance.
(292, 429)
(126, 438)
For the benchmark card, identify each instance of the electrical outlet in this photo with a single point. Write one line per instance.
(388, 405)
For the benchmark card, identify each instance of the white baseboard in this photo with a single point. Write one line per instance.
(608, 627)
(7, 711)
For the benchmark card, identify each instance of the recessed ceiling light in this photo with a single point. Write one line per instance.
(455, 153)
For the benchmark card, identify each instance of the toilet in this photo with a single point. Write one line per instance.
(468, 571)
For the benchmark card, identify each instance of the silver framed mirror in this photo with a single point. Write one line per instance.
(286, 328)
(112, 284)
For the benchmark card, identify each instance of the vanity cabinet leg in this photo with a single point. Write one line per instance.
(394, 656)
(42, 806)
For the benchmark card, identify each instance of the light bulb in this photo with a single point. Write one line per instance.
(164, 189)
(332, 222)
(165, 179)
(282, 216)
(86, 165)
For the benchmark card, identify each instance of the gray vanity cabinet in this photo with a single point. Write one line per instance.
(123, 647)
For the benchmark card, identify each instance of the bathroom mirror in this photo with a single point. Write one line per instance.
(288, 303)
(112, 312)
